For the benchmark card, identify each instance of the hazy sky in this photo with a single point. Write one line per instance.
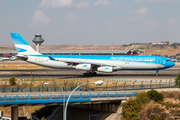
(91, 22)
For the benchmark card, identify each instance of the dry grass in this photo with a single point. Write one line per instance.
(19, 66)
(29, 109)
(62, 82)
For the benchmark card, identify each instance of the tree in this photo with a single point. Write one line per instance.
(12, 80)
(177, 79)
(130, 109)
(155, 95)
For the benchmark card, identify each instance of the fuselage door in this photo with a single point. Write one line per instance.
(40, 59)
(158, 61)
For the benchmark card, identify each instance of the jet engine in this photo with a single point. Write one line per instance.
(105, 69)
(86, 67)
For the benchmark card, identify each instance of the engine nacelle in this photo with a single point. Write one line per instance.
(86, 67)
(105, 69)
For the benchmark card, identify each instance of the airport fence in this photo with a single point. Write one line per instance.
(106, 88)
(135, 80)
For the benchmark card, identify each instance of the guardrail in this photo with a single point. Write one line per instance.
(107, 88)
(11, 99)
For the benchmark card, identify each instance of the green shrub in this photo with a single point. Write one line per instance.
(156, 118)
(170, 95)
(43, 118)
(12, 80)
(142, 98)
(162, 109)
(155, 95)
(130, 109)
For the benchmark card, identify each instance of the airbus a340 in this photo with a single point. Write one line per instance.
(90, 63)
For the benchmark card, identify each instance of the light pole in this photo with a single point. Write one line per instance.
(100, 82)
(63, 97)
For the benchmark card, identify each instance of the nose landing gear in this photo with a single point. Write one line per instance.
(157, 74)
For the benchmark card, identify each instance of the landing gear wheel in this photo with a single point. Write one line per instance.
(90, 74)
(157, 74)
(85, 74)
(94, 73)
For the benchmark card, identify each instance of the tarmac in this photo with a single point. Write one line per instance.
(170, 73)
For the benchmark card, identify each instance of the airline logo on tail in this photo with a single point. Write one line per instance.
(22, 46)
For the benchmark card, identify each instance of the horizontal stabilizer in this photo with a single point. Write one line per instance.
(51, 58)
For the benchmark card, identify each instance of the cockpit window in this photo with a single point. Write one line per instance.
(168, 60)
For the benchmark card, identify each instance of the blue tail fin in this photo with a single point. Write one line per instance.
(22, 46)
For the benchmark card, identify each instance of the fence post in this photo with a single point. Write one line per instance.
(87, 84)
(65, 83)
(5, 86)
(18, 86)
(116, 85)
(124, 85)
(142, 84)
(43, 86)
(150, 83)
(133, 83)
(30, 86)
(106, 85)
(169, 82)
(77, 83)
(54, 86)
(160, 82)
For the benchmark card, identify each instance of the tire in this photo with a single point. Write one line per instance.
(157, 74)
(85, 74)
(94, 73)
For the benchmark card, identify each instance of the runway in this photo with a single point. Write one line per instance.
(70, 73)
(170, 73)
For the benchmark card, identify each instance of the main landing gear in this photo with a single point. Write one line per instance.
(90, 74)
(157, 74)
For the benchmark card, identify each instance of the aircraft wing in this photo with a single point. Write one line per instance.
(76, 62)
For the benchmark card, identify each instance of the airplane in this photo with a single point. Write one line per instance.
(4, 58)
(90, 63)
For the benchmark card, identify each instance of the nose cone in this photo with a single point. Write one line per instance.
(170, 64)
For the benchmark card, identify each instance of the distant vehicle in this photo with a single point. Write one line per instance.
(13, 58)
(90, 63)
(173, 58)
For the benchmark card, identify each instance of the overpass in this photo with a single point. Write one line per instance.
(32, 99)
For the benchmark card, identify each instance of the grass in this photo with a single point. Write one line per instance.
(19, 66)
(29, 109)
(62, 82)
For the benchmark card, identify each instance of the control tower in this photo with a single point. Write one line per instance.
(38, 40)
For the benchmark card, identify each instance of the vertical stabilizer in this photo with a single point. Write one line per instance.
(22, 46)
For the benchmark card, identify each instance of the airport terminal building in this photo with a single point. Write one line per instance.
(78, 52)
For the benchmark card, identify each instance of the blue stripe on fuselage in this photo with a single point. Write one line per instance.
(129, 58)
